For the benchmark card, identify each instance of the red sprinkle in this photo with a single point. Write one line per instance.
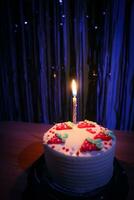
(53, 147)
(67, 150)
(106, 147)
(63, 148)
(53, 132)
(105, 142)
(77, 153)
(110, 143)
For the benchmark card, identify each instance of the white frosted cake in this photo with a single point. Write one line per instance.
(79, 157)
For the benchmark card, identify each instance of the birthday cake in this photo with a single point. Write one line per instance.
(79, 157)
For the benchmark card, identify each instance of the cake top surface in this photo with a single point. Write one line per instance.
(84, 139)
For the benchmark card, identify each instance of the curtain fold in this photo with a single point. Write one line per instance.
(115, 83)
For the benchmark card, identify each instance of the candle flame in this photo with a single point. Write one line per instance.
(74, 88)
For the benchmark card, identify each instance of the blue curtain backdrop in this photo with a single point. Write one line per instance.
(44, 44)
(115, 89)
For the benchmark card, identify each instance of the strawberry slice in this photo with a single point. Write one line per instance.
(88, 146)
(63, 126)
(55, 140)
(91, 131)
(85, 124)
(103, 136)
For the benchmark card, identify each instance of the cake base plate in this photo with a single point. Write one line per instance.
(40, 186)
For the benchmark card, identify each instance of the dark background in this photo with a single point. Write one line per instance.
(44, 44)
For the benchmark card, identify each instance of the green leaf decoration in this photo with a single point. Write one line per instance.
(97, 142)
(59, 135)
(63, 137)
(111, 134)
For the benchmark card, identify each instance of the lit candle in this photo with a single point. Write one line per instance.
(74, 92)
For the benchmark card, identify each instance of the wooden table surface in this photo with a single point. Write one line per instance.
(21, 145)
